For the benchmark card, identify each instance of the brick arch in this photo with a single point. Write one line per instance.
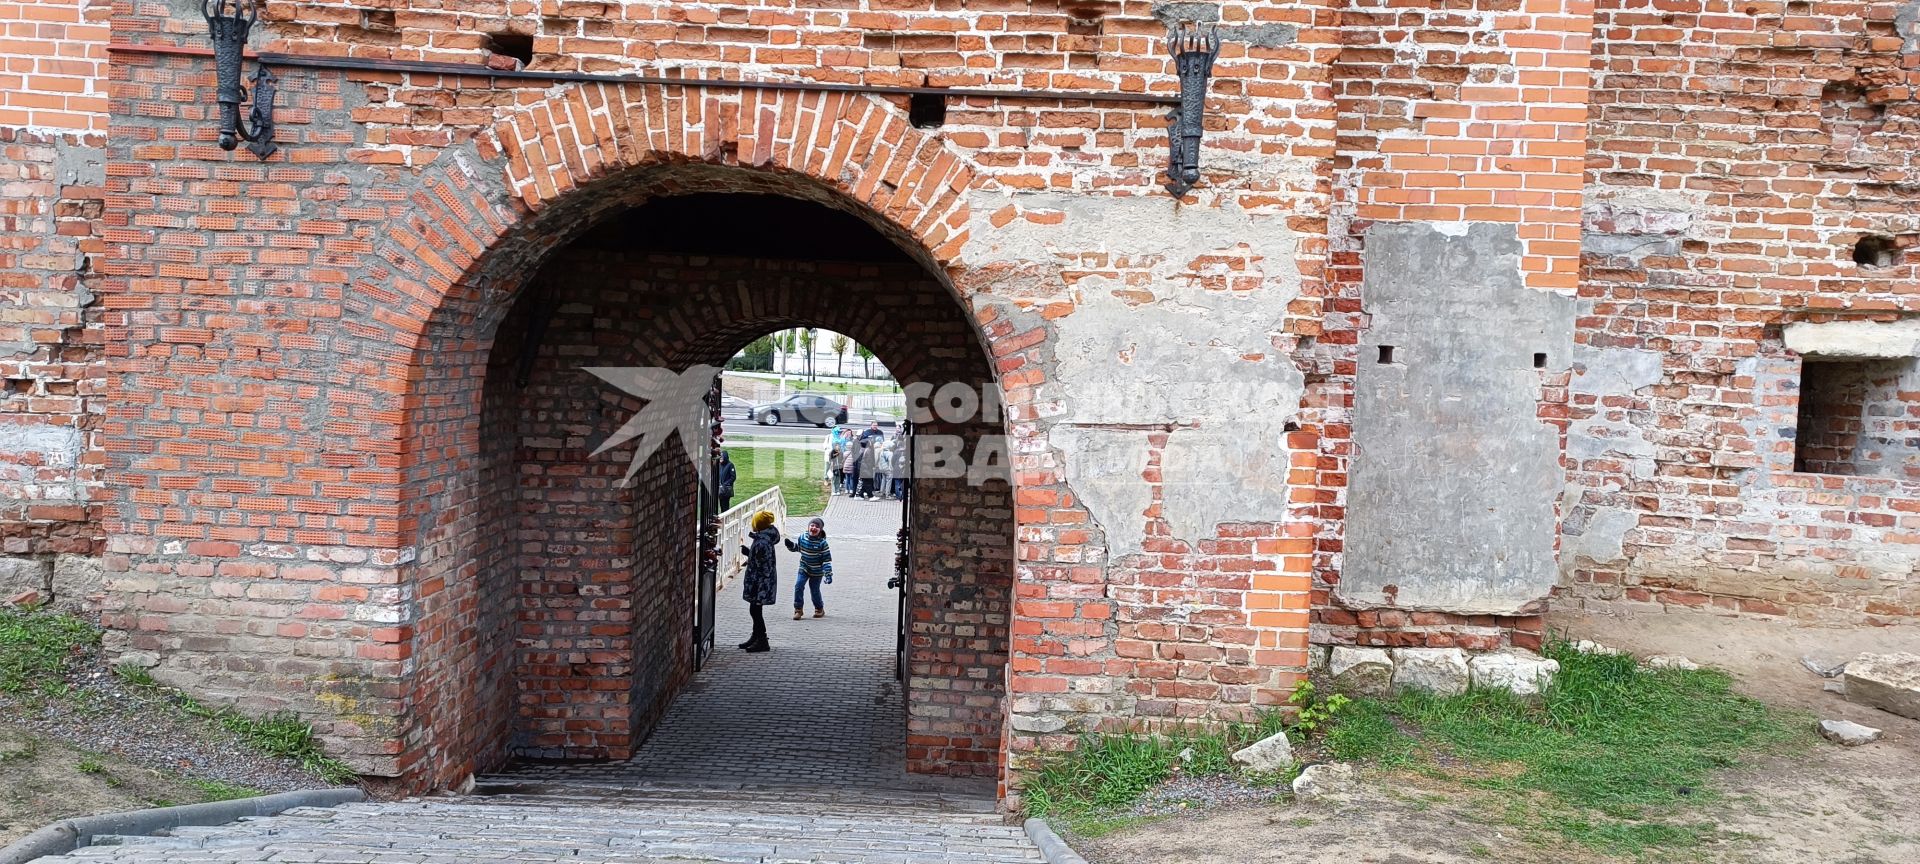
(858, 147)
(461, 256)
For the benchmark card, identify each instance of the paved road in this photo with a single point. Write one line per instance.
(736, 426)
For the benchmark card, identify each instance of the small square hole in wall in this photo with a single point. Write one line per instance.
(1876, 250)
(1386, 355)
(1856, 417)
(519, 46)
(1539, 359)
(927, 110)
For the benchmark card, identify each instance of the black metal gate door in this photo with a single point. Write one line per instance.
(709, 532)
(903, 548)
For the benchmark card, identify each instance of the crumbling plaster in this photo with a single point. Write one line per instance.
(1174, 333)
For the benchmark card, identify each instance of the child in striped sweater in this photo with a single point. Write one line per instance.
(816, 566)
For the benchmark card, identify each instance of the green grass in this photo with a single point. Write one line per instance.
(35, 648)
(134, 674)
(800, 474)
(1607, 758)
(1091, 787)
(215, 790)
(283, 735)
(1610, 758)
(90, 765)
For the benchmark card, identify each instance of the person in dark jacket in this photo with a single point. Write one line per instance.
(759, 587)
(723, 484)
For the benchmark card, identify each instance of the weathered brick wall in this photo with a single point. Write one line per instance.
(52, 114)
(311, 431)
(1740, 151)
(1459, 119)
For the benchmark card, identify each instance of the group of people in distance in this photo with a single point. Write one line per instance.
(870, 464)
(861, 465)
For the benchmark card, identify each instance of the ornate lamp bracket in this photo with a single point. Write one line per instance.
(228, 22)
(1194, 49)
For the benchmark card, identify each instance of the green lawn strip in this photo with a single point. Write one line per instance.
(35, 648)
(1608, 758)
(1090, 789)
(215, 790)
(800, 474)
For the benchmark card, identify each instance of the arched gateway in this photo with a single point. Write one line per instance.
(470, 584)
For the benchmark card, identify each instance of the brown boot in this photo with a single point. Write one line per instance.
(819, 613)
(796, 615)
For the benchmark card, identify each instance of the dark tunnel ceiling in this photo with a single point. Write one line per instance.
(742, 224)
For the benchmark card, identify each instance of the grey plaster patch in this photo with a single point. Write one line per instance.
(1186, 13)
(1454, 481)
(1906, 22)
(76, 164)
(57, 446)
(1170, 351)
(1609, 371)
(1213, 476)
(1104, 468)
(1635, 224)
(1601, 534)
(1269, 35)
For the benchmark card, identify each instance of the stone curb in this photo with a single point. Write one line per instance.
(1052, 848)
(70, 834)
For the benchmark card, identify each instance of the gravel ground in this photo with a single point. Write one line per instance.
(1205, 795)
(105, 715)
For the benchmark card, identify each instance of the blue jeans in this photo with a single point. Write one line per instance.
(801, 583)
(853, 482)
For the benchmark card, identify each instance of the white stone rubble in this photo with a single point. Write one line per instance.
(1889, 682)
(1522, 672)
(1847, 733)
(1360, 671)
(1440, 671)
(1271, 754)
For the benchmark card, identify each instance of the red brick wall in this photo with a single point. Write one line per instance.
(1464, 111)
(1739, 152)
(310, 447)
(52, 113)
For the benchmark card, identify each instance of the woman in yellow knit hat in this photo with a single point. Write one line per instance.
(759, 587)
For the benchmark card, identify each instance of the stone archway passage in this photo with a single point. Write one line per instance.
(821, 710)
(561, 620)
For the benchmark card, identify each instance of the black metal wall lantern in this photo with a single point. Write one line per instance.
(229, 34)
(1193, 49)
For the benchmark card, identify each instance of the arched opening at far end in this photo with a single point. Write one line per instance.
(569, 608)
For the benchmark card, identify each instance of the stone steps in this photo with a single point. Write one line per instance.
(622, 827)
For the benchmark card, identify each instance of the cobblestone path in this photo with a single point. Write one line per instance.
(656, 830)
(821, 709)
